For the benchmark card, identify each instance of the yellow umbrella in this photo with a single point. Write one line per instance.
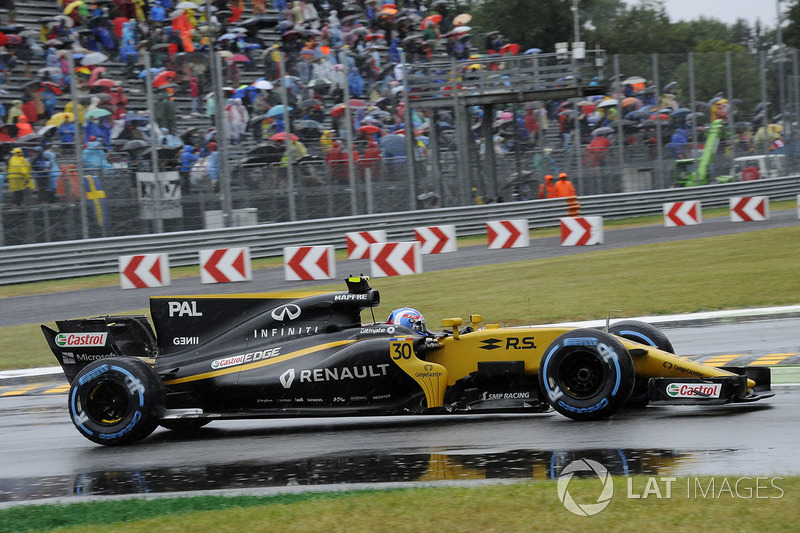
(71, 6)
(59, 118)
(462, 19)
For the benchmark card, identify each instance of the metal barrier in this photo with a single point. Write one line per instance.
(38, 262)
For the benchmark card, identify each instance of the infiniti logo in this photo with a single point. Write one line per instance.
(286, 312)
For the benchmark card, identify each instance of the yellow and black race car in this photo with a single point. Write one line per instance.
(209, 358)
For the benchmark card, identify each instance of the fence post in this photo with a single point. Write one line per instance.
(78, 143)
(409, 123)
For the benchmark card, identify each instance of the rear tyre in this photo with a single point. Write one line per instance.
(643, 333)
(586, 374)
(116, 401)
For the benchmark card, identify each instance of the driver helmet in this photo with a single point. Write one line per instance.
(408, 317)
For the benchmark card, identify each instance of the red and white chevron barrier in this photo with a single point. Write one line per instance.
(436, 239)
(687, 213)
(395, 259)
(142, 271)
(581, 231)
(225, 265)
(309, 262)
(749, 208)
(508, 234)
(358, 242)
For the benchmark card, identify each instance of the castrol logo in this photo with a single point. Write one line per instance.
(81, 340)
(694, 390)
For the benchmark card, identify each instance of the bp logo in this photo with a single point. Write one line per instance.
(586, 509)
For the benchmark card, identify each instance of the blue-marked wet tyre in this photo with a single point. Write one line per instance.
(586, 374)
(643, 333)
(116, 401)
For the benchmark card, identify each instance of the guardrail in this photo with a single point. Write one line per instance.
(68, 259)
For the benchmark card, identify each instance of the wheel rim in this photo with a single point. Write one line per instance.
(107, 402)
(582, 374)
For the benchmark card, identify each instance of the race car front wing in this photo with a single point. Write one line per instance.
(748, 385)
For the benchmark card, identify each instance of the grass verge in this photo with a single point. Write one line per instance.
(754, 269)
(718, 503)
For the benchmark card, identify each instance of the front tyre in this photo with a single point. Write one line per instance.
(643, 333)
(116, 401)
(586, 374)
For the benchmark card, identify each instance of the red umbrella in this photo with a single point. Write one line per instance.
(337, 110)
(510, 48)
(432, 19)
(239, 58)
(104, 82)
(163, 77)
(357, 102)
(49, 85)
(369, 129)
(282, 137)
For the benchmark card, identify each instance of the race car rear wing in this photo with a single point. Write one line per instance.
(78, 342)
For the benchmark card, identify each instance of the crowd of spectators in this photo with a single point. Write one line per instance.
(319, 51)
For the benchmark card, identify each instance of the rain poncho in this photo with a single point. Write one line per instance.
(94, 158)
(19, 172)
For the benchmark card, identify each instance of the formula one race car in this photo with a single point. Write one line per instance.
(279, 355)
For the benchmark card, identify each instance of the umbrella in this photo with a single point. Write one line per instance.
(98, 113)
(510, 48)
(135, 144)
(458, 30)
(632, 101)
(9, 129)
(309, 125)
(187, 5)
(275, 111)
(104, 82)
(29, 138)
(228, 36)
(48, 71)
(605, 130)
(681, 112)
(260, 22)
(163, 77)
(93, 58)
(59, 118)
(71, 6)
(610, 102)
(533, 51)
(319, 82)
(282, 137)
(387, 12)
(43, 86)
(633, 80)
(462, 19)
(137, 120)
(263, 85)
(238, 58)
(357, 102)
(310, 102)
(369, 129)
(175, 14)
(47, 131)
(393, 145)
(338, 110)
(432, 19)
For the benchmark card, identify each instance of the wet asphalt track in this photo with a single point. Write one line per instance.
(46, 458)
